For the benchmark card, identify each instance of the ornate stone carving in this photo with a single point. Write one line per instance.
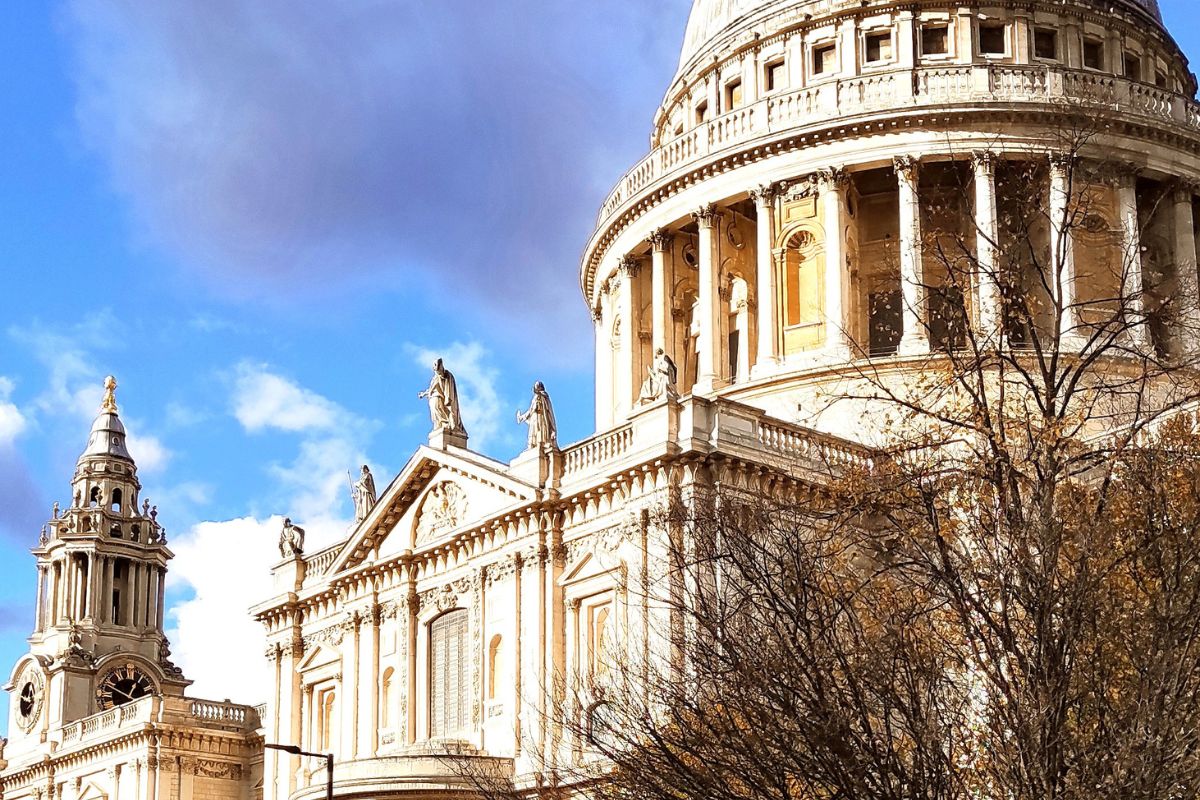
(984, 161)
(444, 508)
(333, 635)
(765, 194)
(660, 240)
(830, 178)
(628, 267)
(906, 167)
(707, 216)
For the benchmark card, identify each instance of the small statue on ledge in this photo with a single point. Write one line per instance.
(291, 540)
(661, 381)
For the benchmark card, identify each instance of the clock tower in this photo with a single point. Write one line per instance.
(97, 711)
(98, 638)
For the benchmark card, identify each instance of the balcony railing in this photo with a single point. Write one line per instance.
(899, 90)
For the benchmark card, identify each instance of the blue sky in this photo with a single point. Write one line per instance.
(266, 218)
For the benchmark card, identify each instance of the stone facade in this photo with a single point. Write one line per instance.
(800, 161)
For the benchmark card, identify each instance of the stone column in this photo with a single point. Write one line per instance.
(990, 313)
(662, 336)
(348, 719)
(766, 290)
(832, 186)
(1186, 272)
(152, 618)
(604, 394)
(627, 308)
(912, 270)
(39, 621)
(1062, 251)
(708, 370)
(1133, 298)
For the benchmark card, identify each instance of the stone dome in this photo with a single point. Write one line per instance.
(711, 18)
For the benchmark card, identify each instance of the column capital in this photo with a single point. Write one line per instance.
(660, 240)
(597, 314)
(628, 267)
(764, 194)
(984, 162)
(830, 178)
(1060, 161)
(707, 216)
(906, 167)
(1185, 190)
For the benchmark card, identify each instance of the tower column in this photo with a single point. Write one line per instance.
(110, 566)
(987, 232)
(662, 336)
(162, 593)
(1133, 298)
(152, 618)
(1062, 252)
(1185, 271)
(708, 368)
(767, 292)
(832, 186)
(912, 272)
(39, 622)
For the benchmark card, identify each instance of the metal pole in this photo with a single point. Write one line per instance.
(329, 776)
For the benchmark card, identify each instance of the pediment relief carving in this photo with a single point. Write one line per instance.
(443, 509)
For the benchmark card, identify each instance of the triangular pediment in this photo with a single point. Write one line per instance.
(438, 493)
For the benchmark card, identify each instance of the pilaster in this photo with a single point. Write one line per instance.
(708, 372)
(912, 270)
(767, 358)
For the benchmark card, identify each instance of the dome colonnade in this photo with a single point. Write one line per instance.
(810, 154)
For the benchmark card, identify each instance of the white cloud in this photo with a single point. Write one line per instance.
(150, 454)
(227, 566)
(483, 412)
(12, 421)
(263, 400)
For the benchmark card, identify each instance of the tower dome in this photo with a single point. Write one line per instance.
(822, 170)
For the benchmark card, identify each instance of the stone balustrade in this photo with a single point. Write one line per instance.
(101, 725)
(898, 91)
(316, 565)
(582, 458)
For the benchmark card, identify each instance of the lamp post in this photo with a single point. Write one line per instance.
(292, 749)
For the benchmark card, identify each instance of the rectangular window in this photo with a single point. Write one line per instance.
(702, 113)
(1045, 43)
(1133, 66)
(879, 47)
(776, 76)
(449, 684)
(733, 95)
(825, 59)
(1160, 79)
(993, 39)
(935, 40)
(1093, 54)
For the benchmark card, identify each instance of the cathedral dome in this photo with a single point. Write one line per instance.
(710, 19)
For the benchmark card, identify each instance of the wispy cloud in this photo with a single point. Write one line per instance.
(12, 421)
(304, 149)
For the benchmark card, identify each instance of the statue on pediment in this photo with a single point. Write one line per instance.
(362, 491)
(442, 395)
(543, 429)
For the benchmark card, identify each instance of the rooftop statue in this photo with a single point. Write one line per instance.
(442, 395)
(291, 540)
(543, 430)
(362, 492)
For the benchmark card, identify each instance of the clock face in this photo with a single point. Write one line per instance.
(29, 700)
(123, 685)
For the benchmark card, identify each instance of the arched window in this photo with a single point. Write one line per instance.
(599, 644)
(387, 698)
(116, 500)
(497, 668)
(326, 720)
(804, 291)
(94, 497)
(449, 679)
